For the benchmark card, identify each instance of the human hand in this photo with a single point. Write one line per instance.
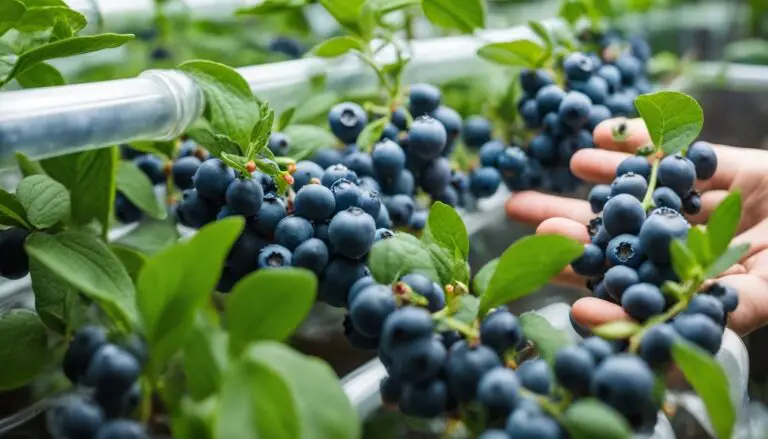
(738, 169)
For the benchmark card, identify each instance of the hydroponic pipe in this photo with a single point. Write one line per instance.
(160, 104)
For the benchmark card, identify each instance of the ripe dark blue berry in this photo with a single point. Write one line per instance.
(578, 67)
(337, 172)
(596, 88)
(477, 131)
(529, 424)
(709, 306)
(543, 148)
(423, 99)
(152, 166)
(86, 342)
(666, 197)
(359, 162)
(325, 157)
(212, 179)
(612, 76)
(624, 382)
(494, 434)
(274, 256)
(617, 279)
(704, 159)
(358, 286)
(292, 231)
(196, 211)
(278, 144)
(692, 203)
(677, 173)
(549, 98)
(466, 366)
(574, 109)
(427, 138)
(422, 285)
(643, 301)
(400, 208)
(598, 348)
(656, 345)
(536, 376)
(699, 330)
(512, 162)
(425, 400)
(597, 114)
(122, 429)
(315, 202)
(271, 212)
(499, 391)
(242, 258)
(656, 274)
(436, 176)
(370, 202)
(311, 254)
(245, 196)
(420, 360)
(346, 194)
(621, 104)
(573, 369)
(636, 165)
(629, 183)
(598, 196)
(352, 233)
(183, 170)
(484, 182)
(727, 295)
(74, 417)
(532, 80)
(626, 250)
(450, 119)
(403, 183)
(591, 262)
(630, 68)
(388, 158)
(623, 214)
(658, 231)
(405, 326)
(337, 279)
(112, 370)
(347, 120)
(530, 113)
(490, 152)
(371, 308)
(501, 331)
(390, 389)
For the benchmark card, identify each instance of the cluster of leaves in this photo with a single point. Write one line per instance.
(35, 31)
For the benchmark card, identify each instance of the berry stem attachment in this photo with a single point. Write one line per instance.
(652, 182)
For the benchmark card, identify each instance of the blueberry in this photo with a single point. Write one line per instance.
(666, 197)
(699, 330)
(370, 202)
(642, 301)
(399, 119)
(369, 183)
(122, 429)
(484, 182)
(591, 262)
(499, 391)
(423, 99)
(624, 382)
(388, 158)
(337, 279)
(501, 331)
(183, 170)
(574, 109)
(623, 214)
(704, 159)
(244, 196)
(278, 144)
(662, 227)
(419, 360)
(597, 114)
(530, 113)
(621, 104)
(656, 345)
(630, 67)
(196, 211)
(400, 208)
(382, 219)
(617, 279)
(692, 203)
(629, 183)
(543, 149)
(490, 152)
(656, 274)
(292, 231)
(477, 131)
(86, 342)
(73, 416)
(709, 306)
(268, 184)
(311, 254)
(536, 376)
(315, 202)
(371, 308)
(466, 366)
(626, 250)
(346, 194)
(129, 153)
(450, 119)
(528, 424)
(271, 212)
(136, 345)
(390, 389)
(573, 369)
(436, 176)
(325, 157)
(450, 197)
(637, 165)
(405, 326)
(596, 88)
(494, 434)
(425, 400)
(337, 172)
(598, 348)
(601, 237)
(242, 258)
(352, 233)
(212, 179)
(578, 66)
(423, 286)
(360, 163)
(549, 98)
(403, 183)
(533, 80)
(125, 211)
(727, 295)
(576, 141)
(347, 120)
(426, 138)
(598, 196)
(112, 369)
(358, 286)
(678, 173)
(274, 256)
(152, 166)
(612, 76)
(512, 161)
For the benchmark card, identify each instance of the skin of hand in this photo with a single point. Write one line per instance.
(740, 169)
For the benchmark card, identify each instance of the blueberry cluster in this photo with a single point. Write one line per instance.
(628, 259)
(563, 118)
(108, 375)
(14, 263)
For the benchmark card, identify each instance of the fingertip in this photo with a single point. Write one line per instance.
(564, 226)
(591, 311)
(635, 134)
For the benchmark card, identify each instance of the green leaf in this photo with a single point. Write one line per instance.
(151, 235)
(23, 348)
(90, 178)
(723, 223)
(449, 265)
(542, 33)
(10, 12)
(371, 134)
(546, 338)
(45, 200)
(402, 254)
(260, 133)
(230, 106)
(446, 228)
(269, 305)
(285, 119)
(709, 381)
(519, 53)
(322, 408)
(305, 139)
(12, 212)
(344, 11)
(604, 7)
(617, 330)
(697, 243)
(272, 6)
(315, 107)
(205, 358)
(57, 302)
(216, 144)
(28, 166)
(466, 311)
(591, 419)
(464, 15)
(166, 150)
(176, 282)
(86, 263)
(483, 277)
(338, 46)
(64, 49)
(40, 75)
(683, 261)
(726, 260)
(195, 419)
(132, 260)
(137, 187)
(573, 10)
(527, 265)
(39, 18)
(673, 119)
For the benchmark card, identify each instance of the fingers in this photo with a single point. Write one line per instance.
(709, 202)
(534, 208)
(591, 311)
(752, 312)
(596, 165)
(635, 128)
(564, 226)
(757, 238)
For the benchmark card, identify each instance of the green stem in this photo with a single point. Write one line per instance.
(652, 182)
(379, 73)
(634, 342)
(145, 409)
(457, 325)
